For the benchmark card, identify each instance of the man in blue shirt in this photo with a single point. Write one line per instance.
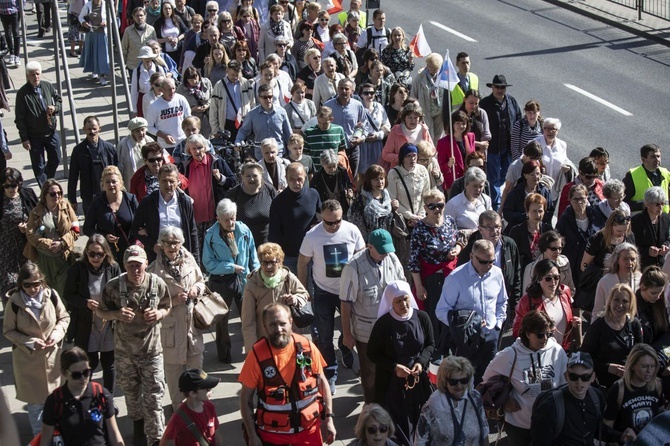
(478, 285)
(348, 113)
(266, 121)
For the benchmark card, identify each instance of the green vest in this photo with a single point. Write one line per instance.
(458, 95)
(642, 182)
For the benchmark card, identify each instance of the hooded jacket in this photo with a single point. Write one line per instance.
(551, 362)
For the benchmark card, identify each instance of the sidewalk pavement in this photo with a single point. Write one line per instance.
(93, 99)
(622, 17)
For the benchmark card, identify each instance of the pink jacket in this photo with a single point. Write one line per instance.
(395, 141)
(444, 153)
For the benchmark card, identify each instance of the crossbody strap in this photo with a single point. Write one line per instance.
(230, 96)
(190, 424)
(409, 197)
(297, 112)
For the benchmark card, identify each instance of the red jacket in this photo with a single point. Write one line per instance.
(138, 184)
(523, 307)
(565, 193)
(444, 153)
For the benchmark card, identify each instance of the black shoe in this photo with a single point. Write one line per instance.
(347, 354)
(225, 356)
(40, 34)
(139, 438)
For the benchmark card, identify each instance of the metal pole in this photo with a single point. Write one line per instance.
(22, 16)
(58, 30)
(122, 65)
(111, 21)
(640, 7)
(61, 116)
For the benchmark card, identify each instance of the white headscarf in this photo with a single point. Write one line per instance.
(393, 290)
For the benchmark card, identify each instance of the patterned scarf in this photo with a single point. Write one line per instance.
(229, 239)
(374, 209)
(174, 266)
(277, 27)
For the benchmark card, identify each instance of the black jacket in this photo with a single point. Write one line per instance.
(514, 210)
(229, 179)
(500, 133)
(31, 116)
(147, 217)
(510, 265)
(519, 234)
(76, 295)
(646, 236)
(87, 166)
(100, 219)
(576, 240)
(343, 183)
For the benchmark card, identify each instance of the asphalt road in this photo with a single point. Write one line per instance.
(542, 48)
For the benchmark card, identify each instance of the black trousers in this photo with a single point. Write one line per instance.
(10, 23)
(43, 15)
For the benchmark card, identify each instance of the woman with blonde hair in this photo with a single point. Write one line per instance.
(623, 267)
(610, 338)
(399, 57)
(454, 398)
(112, 212)
(429, 94)
(636, 398)
(35, 322)
(215, 68)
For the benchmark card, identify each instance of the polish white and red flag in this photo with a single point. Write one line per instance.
(334, 6)
(419, 44)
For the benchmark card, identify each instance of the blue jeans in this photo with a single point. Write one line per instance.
(292, 264)
(42, 169)
(496, 170)
(35, 417)
(324, 305)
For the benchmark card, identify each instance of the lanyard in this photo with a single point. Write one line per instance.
(458, 427)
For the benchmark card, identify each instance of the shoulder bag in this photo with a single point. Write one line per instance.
(302, 316)
(208, 310)
(496, 392)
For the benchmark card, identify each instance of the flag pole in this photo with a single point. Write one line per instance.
(451, 126)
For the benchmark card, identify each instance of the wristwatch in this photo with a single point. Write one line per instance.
(330, 415)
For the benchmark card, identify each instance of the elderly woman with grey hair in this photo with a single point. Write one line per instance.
(229, 255)
(466, 207)
(374, 427)
(345, 59)
(614, 192)
(429, 94)
(332, 181)
(454, 413)
(183, 345)
(623, 266)
(650, 228)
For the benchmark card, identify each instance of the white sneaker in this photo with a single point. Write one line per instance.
(103, 81)
(94, 77)
(17, 60)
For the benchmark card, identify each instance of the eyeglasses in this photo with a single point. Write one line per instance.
(332, 223)
(11, 186)
(367, 93)
(576, 377)
(28, 285)
(545, 335)
(79, 375)
(551, 129)
(267, 97)
(170, 243)
(159, 159)
(556, 248)
(453, 381)
(621, 219)
(269, 262)
(435, 206)
(55, 194)
(550, 278)
(372, 430)
(492, 228)
(485, 262)
(95, 255)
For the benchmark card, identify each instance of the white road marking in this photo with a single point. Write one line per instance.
(599, 99)
(453, 31)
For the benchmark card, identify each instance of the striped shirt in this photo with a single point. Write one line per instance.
(317, 140)
(522, 133)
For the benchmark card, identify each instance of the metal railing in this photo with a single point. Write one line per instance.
(657, 8)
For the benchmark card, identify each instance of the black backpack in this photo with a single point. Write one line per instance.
(557, 396)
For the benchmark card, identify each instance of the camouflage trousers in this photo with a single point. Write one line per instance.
(143, 383)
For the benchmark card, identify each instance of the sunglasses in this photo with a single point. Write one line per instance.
(492, 228)
(453, 381)
(323, 20)
(212, 10)
(266, 97)
(332, 223)
(619, 219)
(225, 21)
(95, 255)
(79, 375)
(576, 377)
(550, 279)
(556, 248)
(545, 335)
(367, 93)
(435, 206)
(28, 285)
(281, 45)
(372, 430)
(485, 262)
(11, 186)
(55, 194)
(159, 159)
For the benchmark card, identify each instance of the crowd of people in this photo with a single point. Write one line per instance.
(432, 231)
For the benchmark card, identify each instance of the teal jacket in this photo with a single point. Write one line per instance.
(217, 257)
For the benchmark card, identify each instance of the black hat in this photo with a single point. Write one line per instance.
(499, 81)
(196, 379)
(580, 358)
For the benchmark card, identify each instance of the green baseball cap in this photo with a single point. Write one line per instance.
(382, 241)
